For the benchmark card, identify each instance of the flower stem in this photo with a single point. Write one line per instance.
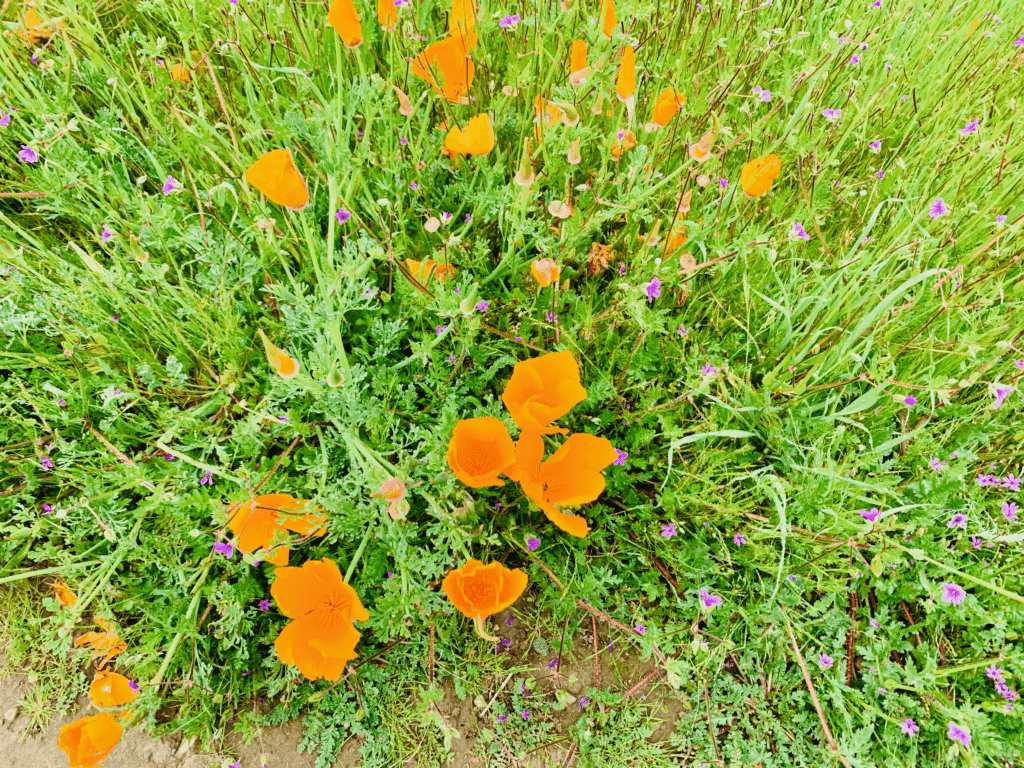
(359, 553)
(917, 554)
(481, 629)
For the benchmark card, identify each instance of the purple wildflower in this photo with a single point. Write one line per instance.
(739, 539)
(798, 232)
(641, 629)
(653, 289)
(682, 331)
(553, 663)
(508, 621)
(910, 400)
(223, 548)
(668, 531)
(526, 714)
(5, 120)
(499, 718)
(854, 60)
(28, 155)
(133, 685)
(971, 127)
(723, 183)
(264, 605)
(938, 208)
(1010, 510)
(342, 215)
(708, 370)
(481, 306)
(937, 465)
(170, 186)
(871, 515)
(584, 701)
(831, 114)
(825, 661)
(953, 593)
(46, 462)
(1000, 221)
(620, 458)
(1010, 482)
(958, 520)
(709, 600)
(874, 624)
(909, 727)
(956, 733)
(1001, 395)
(875, 146)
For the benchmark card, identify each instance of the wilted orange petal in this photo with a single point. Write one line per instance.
(109, 689)
(404, 105)
(344, 17)
(63, 593)
(545, 271)
(181, 72)
(275, 175)
(625, 85)
(578, 58)
(477, 138)
(667, 106)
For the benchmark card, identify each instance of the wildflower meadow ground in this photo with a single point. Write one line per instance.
(569, 383)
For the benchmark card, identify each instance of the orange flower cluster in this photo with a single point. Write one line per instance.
(89, 741)
(541, 391)
(257, 522)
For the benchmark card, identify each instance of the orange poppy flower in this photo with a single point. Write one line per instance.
(63, 593)
(449, 58)
(578, 69)
(105, 644)
(275, 175)
(109, 689)
(477, 138)
(89, 741)
(666, 107)
(321, 639)
(757, 176)
(344, 17)
(676, 239)
(387, 14)
(421, 270)
(480, 450)
(34, 32)
(463, 20)
(181, 72)
(543, 389)
(571, 476)
(625, 84)
(623, 145)
(608, 27)
(479, 591)
(286, 367)
(545, 271)
(547, 112)
(701, 151)
(255, 523)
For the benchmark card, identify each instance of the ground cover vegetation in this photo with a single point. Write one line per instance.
(345, 342)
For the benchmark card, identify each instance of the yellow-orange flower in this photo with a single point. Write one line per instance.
(256, 522)
(479, 590)
(542, 390)
(287, 367)
(625, 84)
(63, 593)
(757, 176)
(181, 72)
(449, 58)
(344, 17)
(545, 271)
(666, 107)
(480, 450)
(109, 689)
(608, 26)
(476, 138)
(571, 476)
(463, 20)
(89, 741)
(321, 639)
(578, 69)
(422, 269)
(275, 175)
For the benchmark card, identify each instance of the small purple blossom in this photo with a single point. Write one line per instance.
(958, 520)
(170, 186)
(956, 733)
(553, 663)
(508, 621)
(641, 629)
(723, 183)
(342, 215)
(107, 234)
(47, 509)
(133, 685)
(223, 548)
(682, 331)
(762, 94)
(953, 593)
(709, 601)
(880, 174)
(1000, 221)
(168, 456)
(505, 642)
(481, 306)
(825, 661)
(854, 60)
(46, 462)
(875, 146)
(264, 605)
(1010, 510)
(739, 539)
(206, 479)
(28, 155)
(526, 714)
(622, 269)
(832, 114)
(870, 515)
(441, 329)
(1010, 482)
(584, 701)
(499, 718)
(62, 402)
(910, 400)
(938, 208)
(668, 531)
(971, 127)
(937, 465)
(709, 370)
(798, 232)
(874, 624)
(976, 542)
(1001, 395)
(620, 458)
(532, 544)
(509, 22)
(5, 120)
(653, 289)
(909, 727)
(550, 317)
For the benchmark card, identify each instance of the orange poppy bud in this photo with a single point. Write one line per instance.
(625, 84)
(608, 27)
(275, 175)
(757, 176)
(666, 107)
(525, 175)
(542, 390)
(181, 72)
(578, 69)
(63, 593)
(480, 450)
(573, 156)
(391, 490)
(286, 367)
(676, 239)
(256, 523)
(321, 639)
(477, 138)
(701, 151)
(344, 17)
(479, 591)
(89, 741)
(547, 112)
(404, 105)
(571, 476)
(545, 271)
(449, 58)
(387, 14)
(109, 689)
(463, 20)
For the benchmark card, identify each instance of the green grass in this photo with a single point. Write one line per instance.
(816, 345)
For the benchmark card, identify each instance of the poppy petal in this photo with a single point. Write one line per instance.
(608, 26)
(480, 450)
(573, 473)
(275, 175)
(625, 85)
(344, 17)
(542, 390)
(477, 138)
